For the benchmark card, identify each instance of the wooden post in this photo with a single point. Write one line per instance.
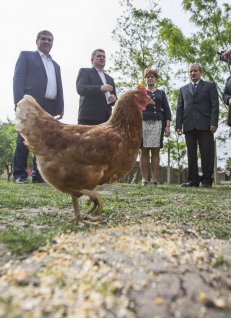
(169, 167)
(9, 170)
(215, 162)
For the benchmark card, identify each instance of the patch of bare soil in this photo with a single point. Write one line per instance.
(141, 271)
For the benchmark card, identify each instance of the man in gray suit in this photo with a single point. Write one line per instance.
(197, 113)
(97, 91)
(38, 75)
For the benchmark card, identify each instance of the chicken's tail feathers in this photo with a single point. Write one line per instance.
(35, 125)
(27, 111)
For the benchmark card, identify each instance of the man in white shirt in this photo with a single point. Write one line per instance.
(38, 75)
(97, 91)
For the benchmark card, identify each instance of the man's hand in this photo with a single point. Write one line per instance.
(213, 129)
(59, 116)
(229, 102)
(111, 98)
(179, 132)
(106, 88)
(167, 131)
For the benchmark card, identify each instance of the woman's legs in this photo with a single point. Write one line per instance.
(144, 163)
(155, 159)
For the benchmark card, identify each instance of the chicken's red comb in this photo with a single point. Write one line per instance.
(142, 88)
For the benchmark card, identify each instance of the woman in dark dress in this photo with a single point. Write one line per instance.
(156, 123)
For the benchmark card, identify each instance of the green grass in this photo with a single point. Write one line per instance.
(17, 196)
(21, 241)
(32, 214)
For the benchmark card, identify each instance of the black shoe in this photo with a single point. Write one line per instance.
(205, 185)
(21, 180)
(144, 183)
(154, 183)
(190, 184)
(37, 180)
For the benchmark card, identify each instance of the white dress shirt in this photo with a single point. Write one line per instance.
(51, 91)
(103, 78)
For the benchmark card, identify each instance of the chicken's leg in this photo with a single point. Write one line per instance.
(78, 217)
(76, 209)
(95, 198)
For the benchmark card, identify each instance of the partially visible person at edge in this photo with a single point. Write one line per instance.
(198, 112)
(227, 92)
(97, 91)
(156, 123)
(226, 53)
(38, 75)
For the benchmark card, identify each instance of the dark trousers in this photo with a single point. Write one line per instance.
(21, 152)
(205, 140)
(20, 161)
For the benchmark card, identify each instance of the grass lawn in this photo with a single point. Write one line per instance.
(31, 214)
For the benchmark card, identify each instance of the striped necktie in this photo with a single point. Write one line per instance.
(194, 87)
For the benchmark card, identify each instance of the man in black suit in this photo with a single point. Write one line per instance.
(96, 90)
(38, 75)
(197, 112)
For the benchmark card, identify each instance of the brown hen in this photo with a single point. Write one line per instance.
(76, 158)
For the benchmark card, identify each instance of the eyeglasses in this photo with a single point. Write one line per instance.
(150, 76)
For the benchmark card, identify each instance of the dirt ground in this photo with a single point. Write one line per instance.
(148, 270)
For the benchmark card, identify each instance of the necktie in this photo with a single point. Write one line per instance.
(194, 86)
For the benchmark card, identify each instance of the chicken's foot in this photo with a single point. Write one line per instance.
(78, 217)
(96, 199)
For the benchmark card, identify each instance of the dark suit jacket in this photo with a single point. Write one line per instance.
(30, 78)
(92, 103)
(227, 91)
(199, 110)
